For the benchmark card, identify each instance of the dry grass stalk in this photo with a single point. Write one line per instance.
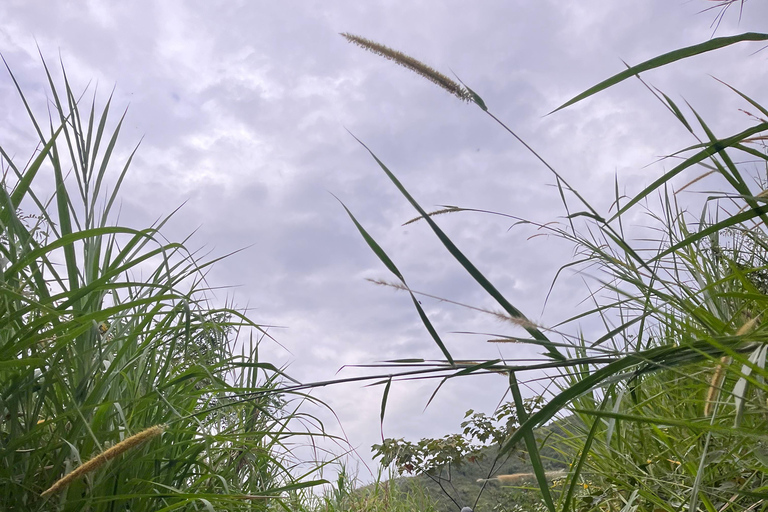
(409, 62)
(500, 315)
(98, 461)
(524, 477)
(717, 378)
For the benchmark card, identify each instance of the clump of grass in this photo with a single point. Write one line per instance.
(390, 494)
(653, 433)
(90, 351)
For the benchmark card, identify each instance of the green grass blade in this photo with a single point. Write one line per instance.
(376, 248)
(663, 60)
(711, 149)
(530, 444)
(468, 266)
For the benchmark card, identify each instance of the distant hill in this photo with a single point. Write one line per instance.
(462, 482)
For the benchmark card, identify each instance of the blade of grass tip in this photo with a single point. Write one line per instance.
(372, 244)
(434, 393)
(384, 405)
(530, 444)
(91, 151)
(376, 248)
(751, 151)
(666, 101)
(475, 97)
(118, 184)
(22, 187)
(105, 160)
(73, 117)
(708, 151)
(464, 261)
(752, 102)
(80, 149)
(23, 98)
(99, 136)
(735, 179)
(563, 200)
(663, 60)
(677, 112)
(617, 202)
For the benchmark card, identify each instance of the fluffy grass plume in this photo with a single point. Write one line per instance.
(409, 62)
(98, 461)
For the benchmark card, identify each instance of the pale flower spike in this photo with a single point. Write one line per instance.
(414, 65)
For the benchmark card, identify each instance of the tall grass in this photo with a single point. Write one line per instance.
(108, 330)
(390, 494)
(672, 394)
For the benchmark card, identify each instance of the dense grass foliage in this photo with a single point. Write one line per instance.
(107, 330)
(672, 396)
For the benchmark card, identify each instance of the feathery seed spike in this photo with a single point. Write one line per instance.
(409, 62)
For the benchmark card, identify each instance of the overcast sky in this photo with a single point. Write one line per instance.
(245, 107)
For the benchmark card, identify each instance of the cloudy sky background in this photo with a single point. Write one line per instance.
(244, 109)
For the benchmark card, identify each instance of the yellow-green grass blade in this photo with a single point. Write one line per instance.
(384, 397)
(752, 102)
(583, 456)
(648, 360)
(22, 187)
(699, 425)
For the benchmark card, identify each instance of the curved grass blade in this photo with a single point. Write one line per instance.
(709, 150)
(376, 248)
(663, 60)
(468, 265)
(384, 406)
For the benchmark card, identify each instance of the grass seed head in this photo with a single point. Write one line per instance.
(409, 62)
(98, 461)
